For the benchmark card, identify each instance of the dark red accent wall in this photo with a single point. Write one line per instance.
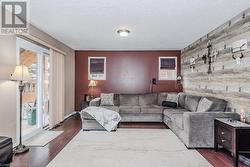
(127, 72)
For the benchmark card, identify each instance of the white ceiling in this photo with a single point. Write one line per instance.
(154, 24)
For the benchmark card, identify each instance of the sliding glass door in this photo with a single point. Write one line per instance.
(36, 96)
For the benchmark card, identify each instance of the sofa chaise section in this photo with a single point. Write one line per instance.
(199, 127)
(89, 123)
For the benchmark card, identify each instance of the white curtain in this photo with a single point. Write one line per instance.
(56, 105)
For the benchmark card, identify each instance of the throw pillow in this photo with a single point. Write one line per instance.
(191, 102)
(169, 104)
(204, 105)
(162, 97)
(107, 99)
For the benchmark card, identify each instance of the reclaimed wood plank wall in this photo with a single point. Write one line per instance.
(228, 80)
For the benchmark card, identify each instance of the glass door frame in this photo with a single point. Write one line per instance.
(45, 80)
(40, 51)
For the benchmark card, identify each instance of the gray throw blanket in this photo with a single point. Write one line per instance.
(107, 118)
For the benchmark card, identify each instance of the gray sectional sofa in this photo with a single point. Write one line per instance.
(189, 122)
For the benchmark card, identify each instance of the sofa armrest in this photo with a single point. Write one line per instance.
(199, 127)
(95, 102)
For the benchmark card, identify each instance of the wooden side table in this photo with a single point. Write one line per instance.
(232, 135)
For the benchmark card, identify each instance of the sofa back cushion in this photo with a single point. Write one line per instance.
(129, 99)
(148, 99)
(172, 97)
(181, 99)
(191, 102)
(219, 105)
(162, 97)
(116, 100)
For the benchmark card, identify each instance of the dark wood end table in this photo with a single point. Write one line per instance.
(232, 135)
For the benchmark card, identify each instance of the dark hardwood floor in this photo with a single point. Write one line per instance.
(222, 158)
(41, 156)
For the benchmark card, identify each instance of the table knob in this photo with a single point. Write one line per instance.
(222, 133)
(223, 141)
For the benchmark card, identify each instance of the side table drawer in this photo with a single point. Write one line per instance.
(224, 133)
(224, 137)
(224, 142)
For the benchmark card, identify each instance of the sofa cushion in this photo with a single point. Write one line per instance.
(129, 109)
(129, 100)
(168, 112)
(152, 109)
(177, 119)
(162, 97)
(181, 99)
(191, 102)
(204, 105)
(85, 115)
(107, 99)
(219, 105)
(148, 99)
(113, 108)
(173, 97)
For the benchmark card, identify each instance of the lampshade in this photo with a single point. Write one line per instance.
(92, 83)
(21, 73)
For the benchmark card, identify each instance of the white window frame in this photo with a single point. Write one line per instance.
(159, 68)
(103, 77)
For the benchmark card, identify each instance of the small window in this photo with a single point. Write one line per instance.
(97, 68)
(167, 68)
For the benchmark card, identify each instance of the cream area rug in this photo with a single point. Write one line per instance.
(128, 148)
(43, 138)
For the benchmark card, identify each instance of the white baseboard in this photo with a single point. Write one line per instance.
(26, 137)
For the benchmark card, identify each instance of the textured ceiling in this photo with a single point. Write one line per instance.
(154, 24)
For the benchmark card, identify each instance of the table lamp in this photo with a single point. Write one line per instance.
(92, 84)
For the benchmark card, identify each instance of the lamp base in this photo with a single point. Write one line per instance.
(20, 149)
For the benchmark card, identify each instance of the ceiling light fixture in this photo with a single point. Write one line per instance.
(123, 32)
